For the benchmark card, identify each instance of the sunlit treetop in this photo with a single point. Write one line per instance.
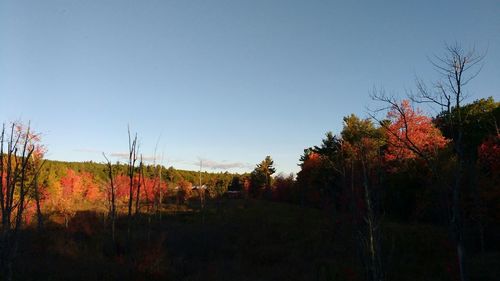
(411, 134)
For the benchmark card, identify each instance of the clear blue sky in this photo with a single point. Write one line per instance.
(226, 81)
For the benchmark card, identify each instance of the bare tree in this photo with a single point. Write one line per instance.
(138, 191)
(157, 180)
(36, 190)
(112, 205)
(358, 153)
(132, 158)
(158, 203)
(457, 67)
(201, 192)
(371, 236)
(160, 192)
(14, 188)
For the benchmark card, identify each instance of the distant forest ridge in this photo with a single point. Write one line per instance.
(169, 174)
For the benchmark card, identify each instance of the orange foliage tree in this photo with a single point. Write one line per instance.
(308, 177)
(184, 191)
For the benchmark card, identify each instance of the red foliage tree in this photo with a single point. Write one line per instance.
(71, 185)
(80, 186)
(122, 188)
(411, 134)
(489, 180)
(489, 154)
(91, 189)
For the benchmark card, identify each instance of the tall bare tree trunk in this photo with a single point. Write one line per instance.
(38, 208)
(132, 145)
(20, 148)
(457, 68)
(478, 204)
(112, 197)
(372, 223)
(159, 206)
(138, 193)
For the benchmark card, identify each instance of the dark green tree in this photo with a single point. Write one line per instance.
(261, 176)
(319, 181)
(480, 121)
(362, 144)
(235, 184)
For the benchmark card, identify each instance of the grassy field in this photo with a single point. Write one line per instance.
(234, 240)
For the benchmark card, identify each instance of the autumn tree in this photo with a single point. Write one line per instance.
(411, 154)
(321, 177)
(311, 178)
(411, 134)
(184, 191)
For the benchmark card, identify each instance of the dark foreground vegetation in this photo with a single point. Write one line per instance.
(235, 240)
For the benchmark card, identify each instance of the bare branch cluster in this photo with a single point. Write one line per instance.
(19, 169)
(457, 67)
